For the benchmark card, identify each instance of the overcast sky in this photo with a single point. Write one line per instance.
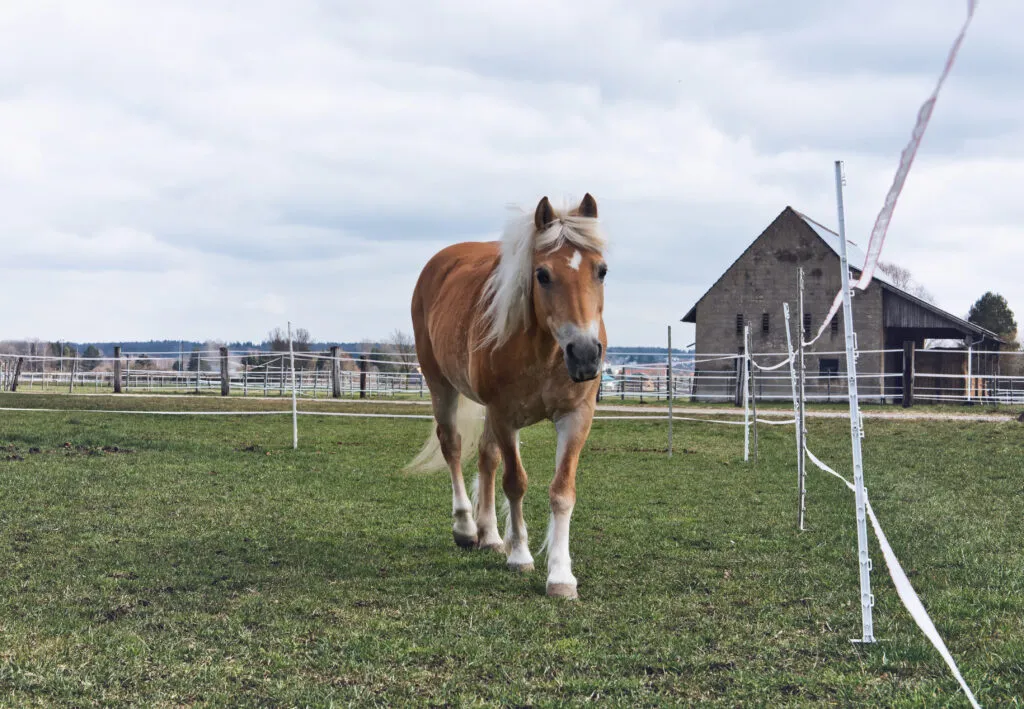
(209, 170)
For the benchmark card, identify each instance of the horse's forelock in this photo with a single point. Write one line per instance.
(571, 230)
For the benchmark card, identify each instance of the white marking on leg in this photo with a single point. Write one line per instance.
(565, 426)
(486, 519)
(460, 500)
(574, 262)
(557, 541)
(516, 541)
(507, 509)
(559, 562)
(462, 510)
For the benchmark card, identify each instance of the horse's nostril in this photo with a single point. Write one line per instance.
(568, 350)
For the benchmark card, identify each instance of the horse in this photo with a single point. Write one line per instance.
(509, 333)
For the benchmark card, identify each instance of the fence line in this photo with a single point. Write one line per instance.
(935, 376)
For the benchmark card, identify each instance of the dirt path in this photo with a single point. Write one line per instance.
(913, 415)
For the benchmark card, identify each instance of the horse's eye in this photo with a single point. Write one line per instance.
(543, 277)
(602, 271)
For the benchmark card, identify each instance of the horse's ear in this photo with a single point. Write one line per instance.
(544, 215)
(588, 207)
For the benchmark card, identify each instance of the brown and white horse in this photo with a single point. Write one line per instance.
(510, 333)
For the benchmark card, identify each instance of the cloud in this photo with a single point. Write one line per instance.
(231, 165)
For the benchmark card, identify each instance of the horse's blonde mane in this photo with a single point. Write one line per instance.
(506, 294)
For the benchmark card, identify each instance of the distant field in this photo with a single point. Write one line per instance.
(178, 560)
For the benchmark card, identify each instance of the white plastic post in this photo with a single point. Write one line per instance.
(670, 391)
(802, 406)
(746, 393)
(856, 432)
(295, 410)
(797, 418)
(970, 373)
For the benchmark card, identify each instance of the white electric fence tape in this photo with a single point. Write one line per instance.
(881, 227)
(780, 365)
(777, 422)
(903, 588)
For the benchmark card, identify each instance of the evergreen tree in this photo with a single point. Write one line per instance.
(88, 363)
(992, 312)
(194, 361)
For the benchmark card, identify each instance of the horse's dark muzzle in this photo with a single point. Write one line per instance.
(583, 359)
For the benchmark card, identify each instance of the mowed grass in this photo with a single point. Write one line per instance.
(176, 561)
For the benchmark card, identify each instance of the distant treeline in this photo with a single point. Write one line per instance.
(167, 347)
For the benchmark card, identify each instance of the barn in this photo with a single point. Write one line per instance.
(889, 321)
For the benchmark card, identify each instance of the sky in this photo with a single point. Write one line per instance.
(211, 170)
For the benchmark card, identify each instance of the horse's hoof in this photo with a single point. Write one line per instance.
(464, 540)
(562, 590)
(523, 568)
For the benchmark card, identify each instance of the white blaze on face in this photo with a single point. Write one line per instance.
(574, 262)
(568, 332)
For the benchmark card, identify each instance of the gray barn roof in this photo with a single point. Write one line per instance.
(856, 259)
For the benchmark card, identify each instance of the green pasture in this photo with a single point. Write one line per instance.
(164, 561)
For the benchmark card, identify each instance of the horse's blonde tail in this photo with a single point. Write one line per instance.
(469, 422)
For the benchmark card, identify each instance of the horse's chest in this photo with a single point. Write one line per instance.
(533, 396)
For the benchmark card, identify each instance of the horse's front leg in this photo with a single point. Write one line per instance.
(573, 429)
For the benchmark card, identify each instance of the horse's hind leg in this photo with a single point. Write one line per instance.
(446, 402)
(483, 492)
(514, 484)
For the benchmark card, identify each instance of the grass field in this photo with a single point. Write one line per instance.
(178, 561)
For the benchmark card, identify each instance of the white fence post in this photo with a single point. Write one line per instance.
(295, 412)
(670, 387)
(746, 393)
(856, 431)
(798, 416)
(802, 406)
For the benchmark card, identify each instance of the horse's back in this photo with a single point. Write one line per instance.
(445, 302)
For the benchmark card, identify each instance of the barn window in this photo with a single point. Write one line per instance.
(835, 324)
(739, 324)
(828, 367)
(807, 325)
(764, 324)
